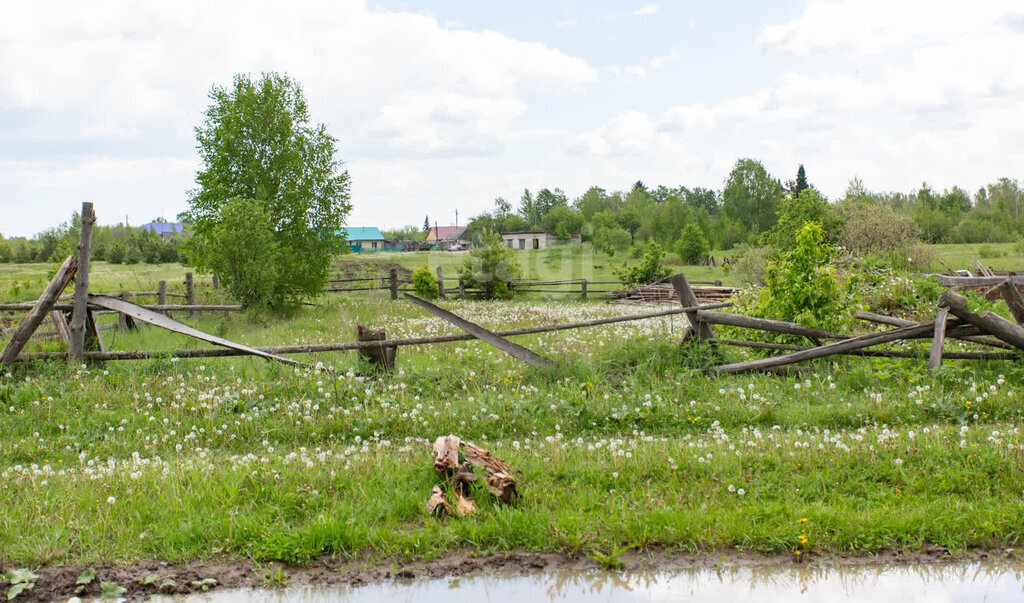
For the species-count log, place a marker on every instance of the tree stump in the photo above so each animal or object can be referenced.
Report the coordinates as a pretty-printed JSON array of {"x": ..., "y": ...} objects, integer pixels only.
[{"x": 381, "y": 356}]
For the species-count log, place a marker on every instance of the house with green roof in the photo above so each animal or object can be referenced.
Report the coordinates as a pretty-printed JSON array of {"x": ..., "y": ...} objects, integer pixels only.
[{"x": 363, "y": 238}]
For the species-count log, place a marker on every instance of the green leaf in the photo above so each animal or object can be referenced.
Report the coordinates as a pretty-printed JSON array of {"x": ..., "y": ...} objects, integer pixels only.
[
  {"x": 22, "y": 575},
  {"x": 111, "y": 590},
  {"x": 204, "y": 584},
  {"x": 149, "y": 579},
  {"x": 87, "y": 576},
  {"x": 18, "y": 588},
  {"x": 168, "y": 583}
]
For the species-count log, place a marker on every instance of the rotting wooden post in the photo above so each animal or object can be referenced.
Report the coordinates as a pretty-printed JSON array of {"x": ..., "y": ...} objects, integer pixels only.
[
  {"x": 216, "y": 282},
  {"x": 440, "y": 282},
  {"x": 583, "y": 288},
  {"x": 935, "y": 356},
  {"x": 381, "y": 356},
  {"x": 1013, "y": 299},
  {"x": 462, "y": 290},
  {"x": 718, "y": 283},
  {"x": 76, "y": 343},
  {"x": 190, "y": 292},
  {"x": 687, "y": 299},
  {"x": 40, "y": 311},
  {"x": 394, "y": 284},
  {"x": 161, "y": 293}
]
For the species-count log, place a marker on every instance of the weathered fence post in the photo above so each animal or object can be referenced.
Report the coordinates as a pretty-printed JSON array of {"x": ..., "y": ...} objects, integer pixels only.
[
  {"x": 76, "y": 343},
  {"x": 216, "y": 282},
  {"x": 583, "y": 288},
  {"x": 688, "y": 299},
  {"x": 718, "y": 283},
  {"x": 39, "y": 312},
  {"x": 462, "y": 290},
  {"x": 394, "y": 284},
  {"x": 122, "y": 318},
  {"x": 190, "y": 292},
  {"x": 161, "y": 293},
  {"x": 381, "y": 356},
  {"x": 440, "y": 282}
]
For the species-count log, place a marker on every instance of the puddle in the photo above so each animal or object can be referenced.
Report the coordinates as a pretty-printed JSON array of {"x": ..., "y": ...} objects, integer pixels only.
[{"x": 991, "y": 582}]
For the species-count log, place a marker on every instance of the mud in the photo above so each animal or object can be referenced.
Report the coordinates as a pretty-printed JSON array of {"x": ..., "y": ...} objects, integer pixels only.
[{"x": 58, "y": 583}]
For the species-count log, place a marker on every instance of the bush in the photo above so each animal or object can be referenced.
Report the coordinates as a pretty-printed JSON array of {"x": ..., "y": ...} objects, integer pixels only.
[
  {"x": 425, "y": 283},
  {"x": 877, "y": 229},
  {"x": 611, "y": 239},
  {"x": 802, "y": 287},
  {"x": 750, "y": 264},
  {"x": 692, "y": 246},
  {"x": 490, "y": 266},
  {"x": 649, "y": 270}
]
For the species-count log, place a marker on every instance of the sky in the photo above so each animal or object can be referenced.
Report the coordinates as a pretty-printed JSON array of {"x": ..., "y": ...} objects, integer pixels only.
[{"x": 441, "y": 106}]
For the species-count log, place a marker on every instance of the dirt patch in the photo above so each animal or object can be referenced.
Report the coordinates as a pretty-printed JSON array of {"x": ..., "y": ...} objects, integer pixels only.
[
  {"x": 59, "y": 582},
  {"x": 368, "y": 269}
]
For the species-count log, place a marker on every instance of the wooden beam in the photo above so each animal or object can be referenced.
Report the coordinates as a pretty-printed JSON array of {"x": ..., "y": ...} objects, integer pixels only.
[
  {"x": 687, "y": 298},
  {"x": 511, "y": 348},
  {"x": 1011, "y": 295},
  {"x": 838, "y": 347},
  {"x": 989, "y": 322},
  {"x": 76, "y": 344},
  {"x": 165, "y": 322},
  {"x": 874, "y": 353},
  {"x": 764, "y": 324},
  {"x": 39, "y": 312},
  {"x": 935, "y": 355},
  {"x": 960, "y": 282}
]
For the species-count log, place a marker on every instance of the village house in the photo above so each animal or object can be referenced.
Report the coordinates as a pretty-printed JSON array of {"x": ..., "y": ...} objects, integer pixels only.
[
  {"x": 535, "y": 239},
  {"x": 166, "y": 230},
  {"x": 363, "y": 238}
]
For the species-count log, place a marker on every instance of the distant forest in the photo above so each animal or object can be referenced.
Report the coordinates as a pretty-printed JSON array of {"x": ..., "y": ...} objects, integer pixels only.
[{"x": 118, "y": 244}]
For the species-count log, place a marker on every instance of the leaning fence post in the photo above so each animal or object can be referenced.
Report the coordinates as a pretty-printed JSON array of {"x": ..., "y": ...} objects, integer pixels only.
[
  {"x": 216, "y": 282},
  {"x": 688, "y": 299},
  {"x": 583, "y": 288},
  {"x": 440, "y": 282},
  {"x": 462, "y": 290},
  {"x": 394, "y": 284},
  {"x": 76, "y": 343},
  {"x": 161, "y": 293},
  {"x": 190, "y": 292},
  {"x": 122, "y": 318}
]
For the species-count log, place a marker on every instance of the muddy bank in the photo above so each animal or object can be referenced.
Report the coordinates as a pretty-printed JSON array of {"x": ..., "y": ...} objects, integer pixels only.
[{"x": 58, "y": 583}]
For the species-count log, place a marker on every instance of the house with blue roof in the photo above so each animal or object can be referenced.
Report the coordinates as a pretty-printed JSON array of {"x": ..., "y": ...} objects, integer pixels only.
[
  {"x": 363, "y": 238},
  {"x": 165, "y": 229}
]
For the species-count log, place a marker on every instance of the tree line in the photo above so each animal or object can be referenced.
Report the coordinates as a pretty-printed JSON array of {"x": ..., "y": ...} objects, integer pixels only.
[
  {"x": 756, "y": 208},
  {"x": 118, "y": 244}
]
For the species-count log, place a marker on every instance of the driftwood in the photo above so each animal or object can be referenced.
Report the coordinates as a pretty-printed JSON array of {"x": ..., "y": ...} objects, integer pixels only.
[
  {"x": 989, "y": 322},
  {"x": 382, "y": 356},
  {"x": 511, "y": 348},
  {"x": 165, "y": 322},
  {"x": 40, "y": 311},
  {"x": 499, "y": 480}
]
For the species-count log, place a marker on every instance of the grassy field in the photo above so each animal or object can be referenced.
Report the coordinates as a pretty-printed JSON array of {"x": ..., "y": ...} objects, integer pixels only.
[{"x": 622, "y": 444}]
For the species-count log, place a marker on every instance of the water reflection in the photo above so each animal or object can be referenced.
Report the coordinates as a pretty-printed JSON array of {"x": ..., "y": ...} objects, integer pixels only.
[{"x": 992, "y": 582}]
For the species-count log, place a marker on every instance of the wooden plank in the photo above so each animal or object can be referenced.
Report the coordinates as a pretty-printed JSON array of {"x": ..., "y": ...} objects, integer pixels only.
[
  {"x": 874, "y": 353},
  {"x": 1011, "y": 295},
  {"x": 165, "y": 322},
  {"x": 838, "y": 347},
  {"x": 190, "y": 292},
  {"x": 973, "y": 281},
  {"x": 511, "y": 348},
  {"x": 686, "y": 297},
  {"x": 935, "y": 355},
  {"x": 989, "y": 322},
  {"x": 957, "y": 334},
  {"x": 764, "y": 324},
  {"x": 60, "y": 321},
  {"x": 76, "y": 344},
  {"x": 40, "y": 310}
]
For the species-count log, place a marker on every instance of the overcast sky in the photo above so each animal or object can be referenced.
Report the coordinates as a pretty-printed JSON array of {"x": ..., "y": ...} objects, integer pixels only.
[{"x": 444, "y": 105}]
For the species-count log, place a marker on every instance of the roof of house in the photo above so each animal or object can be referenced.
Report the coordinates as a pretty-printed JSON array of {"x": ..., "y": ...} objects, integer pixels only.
[
  {"x": 362, "y": 233},
  {"x": 518, "y": 232},
  {"x": 456, "y": 234},
  {"x": 163, "y": 227},
  {"x": 442, "y": 232}
]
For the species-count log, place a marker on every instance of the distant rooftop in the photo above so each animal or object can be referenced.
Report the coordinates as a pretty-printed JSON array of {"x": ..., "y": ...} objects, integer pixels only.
[
  {"x": 163, "y": 227},
  {"x": 362, "y": 233}
]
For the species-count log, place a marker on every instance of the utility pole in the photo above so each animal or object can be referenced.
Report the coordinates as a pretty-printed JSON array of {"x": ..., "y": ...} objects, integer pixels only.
[{"x": 456, "y": 218}]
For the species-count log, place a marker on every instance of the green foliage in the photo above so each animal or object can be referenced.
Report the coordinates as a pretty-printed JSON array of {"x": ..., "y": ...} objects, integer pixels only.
[
  {"x": 21, "y": 580},
  {"x": 425, "y": 283},
  {"x": 751, "y": 196},
  {"x": 794, "y": 211},
  {"x": 648, "y": 270},
  {"x": 610, "y": 239},
  {"x": 611, "y": 560},
  {"x": 692, "y": 245},
  {"x": 801, "y": 285},
  {"x": 490, "y": 267},
  {"x": 750, "y": 263},
  {"x": 871, "y": 228},
  {"x": 270, "y": 183},
  {"x": 111, "y": 590}
]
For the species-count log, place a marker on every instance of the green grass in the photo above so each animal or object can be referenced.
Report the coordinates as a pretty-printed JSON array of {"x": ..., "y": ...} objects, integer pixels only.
[
  {"x": 622, "y": 445},
  {"x": 19, "y": 282},
  {"x": 998, "y": 256}
]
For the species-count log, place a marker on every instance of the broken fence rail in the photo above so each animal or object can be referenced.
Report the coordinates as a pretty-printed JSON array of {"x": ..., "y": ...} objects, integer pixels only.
[{"x": 355, "y": 345}]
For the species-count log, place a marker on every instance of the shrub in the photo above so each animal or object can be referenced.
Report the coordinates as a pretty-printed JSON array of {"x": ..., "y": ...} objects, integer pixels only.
[
  {"x": 649, "y": 270},
  {"x": 611, "y": 239},
  {"x": 870, "y": 228},
  {"x": 692, "y": 245},
  {"x": 750, "y": 264},
  {"x": 425, "y": 283},
  {"x": 490, "y": 266},
  {"x": 802, "y": 287}
]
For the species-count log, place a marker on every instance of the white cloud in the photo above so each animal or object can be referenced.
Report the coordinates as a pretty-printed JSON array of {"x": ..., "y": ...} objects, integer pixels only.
[
  {"x": 629, "y": 133},
  {"x": 566, "y": 23},
  {"x": 647, "y": 9}
]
